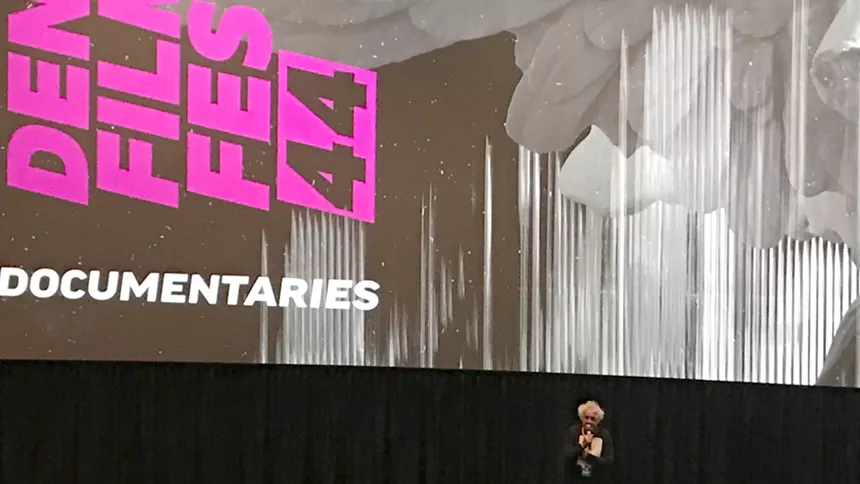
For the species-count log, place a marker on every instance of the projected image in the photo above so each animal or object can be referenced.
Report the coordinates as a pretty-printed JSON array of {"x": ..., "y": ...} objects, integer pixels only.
[{"x": 614, "y": 187}]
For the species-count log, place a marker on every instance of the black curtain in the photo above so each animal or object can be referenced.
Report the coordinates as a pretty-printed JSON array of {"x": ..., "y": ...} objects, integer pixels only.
[{"x": 152, "y": 423}]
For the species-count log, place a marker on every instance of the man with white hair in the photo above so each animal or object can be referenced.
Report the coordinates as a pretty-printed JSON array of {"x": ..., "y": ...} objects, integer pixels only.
[{"x": 588, "y": 449}]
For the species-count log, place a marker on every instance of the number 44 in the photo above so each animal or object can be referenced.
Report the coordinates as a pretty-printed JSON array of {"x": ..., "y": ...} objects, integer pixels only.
[{"x": 326, "y": 136}]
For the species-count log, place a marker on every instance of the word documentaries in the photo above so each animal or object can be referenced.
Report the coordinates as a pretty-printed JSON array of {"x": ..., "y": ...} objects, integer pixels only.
[
  {"x": 178, "y": 288},
  {"x": 324, "y": 112}
]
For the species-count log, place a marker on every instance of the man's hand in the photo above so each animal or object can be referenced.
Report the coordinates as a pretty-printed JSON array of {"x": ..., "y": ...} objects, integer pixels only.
[{"x": 587, "y": 438}]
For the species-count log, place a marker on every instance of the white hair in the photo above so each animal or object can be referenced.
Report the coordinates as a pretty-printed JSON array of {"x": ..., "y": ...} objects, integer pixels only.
[{"x": 592, "y": 405}]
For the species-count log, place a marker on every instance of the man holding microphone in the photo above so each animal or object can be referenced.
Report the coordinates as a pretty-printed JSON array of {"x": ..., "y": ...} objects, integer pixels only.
[{"x": 588, "y": 449}]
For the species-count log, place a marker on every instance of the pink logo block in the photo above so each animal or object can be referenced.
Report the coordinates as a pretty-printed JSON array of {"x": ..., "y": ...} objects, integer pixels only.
[{"x": 326, "y": 151}]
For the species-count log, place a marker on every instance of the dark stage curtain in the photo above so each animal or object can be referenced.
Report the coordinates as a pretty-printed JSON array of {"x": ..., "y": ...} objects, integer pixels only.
[{"x": 123, "y": 423}]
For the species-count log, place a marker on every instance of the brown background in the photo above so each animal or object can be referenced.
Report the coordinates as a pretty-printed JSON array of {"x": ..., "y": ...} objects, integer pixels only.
[{"x": 435, "y": 112}]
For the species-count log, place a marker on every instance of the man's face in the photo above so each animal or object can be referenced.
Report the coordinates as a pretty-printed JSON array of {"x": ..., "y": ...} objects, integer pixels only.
[{"x": 590, "y": 418}]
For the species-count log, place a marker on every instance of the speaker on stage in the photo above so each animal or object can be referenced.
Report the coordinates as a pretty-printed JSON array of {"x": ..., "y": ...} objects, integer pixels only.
[{"x": 588, "y": 448}]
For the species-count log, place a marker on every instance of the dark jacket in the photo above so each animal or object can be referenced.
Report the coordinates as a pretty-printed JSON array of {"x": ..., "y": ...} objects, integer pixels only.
[{"x": 574, "y": 452}]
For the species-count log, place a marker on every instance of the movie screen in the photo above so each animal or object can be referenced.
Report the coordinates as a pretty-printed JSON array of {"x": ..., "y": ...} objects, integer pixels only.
[{"x": 617, "y": 187}]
